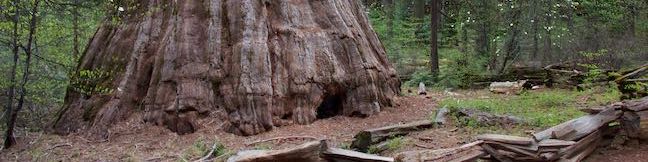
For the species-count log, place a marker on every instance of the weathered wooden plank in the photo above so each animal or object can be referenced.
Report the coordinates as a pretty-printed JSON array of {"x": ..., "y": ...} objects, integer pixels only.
[
  {"x": 456, "y": 153},
  {"x": 340, "y": 155},
  {"x": 511, "y": 148},
  {"x": 305, "y": 152},
  {"x": 555, "y": 143},
  {"x": 506, "y": 139},
  {"x": 490, "y": 150},
  {"x": 636, "y": 105},
  {"x": 580, "y": 127},
  {"x": 581, "y": 144},
  {"x": 368, "y": 137}
]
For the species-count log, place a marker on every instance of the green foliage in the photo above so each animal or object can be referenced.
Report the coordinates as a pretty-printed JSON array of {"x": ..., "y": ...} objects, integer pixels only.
[
  {"x": 200, "y": 148},
  {"x": 538, "y": 109},
  {"x": 90, "y": 82}
]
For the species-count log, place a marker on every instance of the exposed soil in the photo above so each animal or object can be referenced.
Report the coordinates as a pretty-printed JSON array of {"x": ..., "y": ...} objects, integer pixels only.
[{"x": 135, "y": 140}]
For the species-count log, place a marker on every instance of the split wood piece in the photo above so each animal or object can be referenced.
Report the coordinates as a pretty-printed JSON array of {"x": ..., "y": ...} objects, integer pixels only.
[
  {"x": 593, "y": 110},
  {"x": 306, "y": 152},
  {"x": 506, "y": 139},
  {"x": 588, "y": 141},
  {"x": 630, "y": 121},
  {"x": 643, "y": 125},
  {"x": 440, "y": 118},
  {"x": 490, "y": 150},
  {"x": 579, "y": 127},
  {"x": 366, "y": 138},
  {"x": 555, "y": 143},
  {"x": 512, "y": 148},
  {"x": 530, "y": 148},
  {"x": 336, "y": 154},
  {"x": 467, "y": 152},
  {"x": 636, "y": 105},
  {"x": 583, "y": 154}
]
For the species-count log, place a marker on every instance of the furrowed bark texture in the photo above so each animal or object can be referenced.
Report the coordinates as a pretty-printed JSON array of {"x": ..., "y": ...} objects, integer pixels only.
[{"x": 264, "y": 62}]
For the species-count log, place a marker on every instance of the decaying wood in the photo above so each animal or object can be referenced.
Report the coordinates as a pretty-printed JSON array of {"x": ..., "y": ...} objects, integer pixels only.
[
  {"x": 630, "y": 122},
  {"x": 369, "y": 137},
  {"x": 512, "y": 148},
  {"x": 342, "y": 155},
  {"x": 253, "y": 60},
  {"x": 485, "y": 118},
  {"x": 506, "y": 139},
  {"x": 643, "y": 125},
  {"x": 306, "y": 152},
  {"x": 583, "y": 154},
  {"x": 507, "y": 87},
  {"x": 580, "y": 127},
  {"x": 636, "y": 105},
  {"x": 281, "y": 138},
  {"x": 588, "y": 141},
  {"x": 635, "y": 72},
  {"x": 461, "y": 153},
  {"x": 490, "y": 150},
  {"x": 440, "y": 118},
  {"x": 555, "y": 143}
]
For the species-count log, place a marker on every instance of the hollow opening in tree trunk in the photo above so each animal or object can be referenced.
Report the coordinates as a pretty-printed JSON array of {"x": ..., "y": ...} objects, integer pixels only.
[{"x": 331, "y": 106}]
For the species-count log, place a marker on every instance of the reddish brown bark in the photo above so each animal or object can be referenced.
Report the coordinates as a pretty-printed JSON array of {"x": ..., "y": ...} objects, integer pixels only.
[{"x": 262, "y": 62}]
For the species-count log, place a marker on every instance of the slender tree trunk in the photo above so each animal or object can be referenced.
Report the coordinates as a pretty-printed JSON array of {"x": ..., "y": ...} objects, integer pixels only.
[
  {"x": 512, "y": 46},
  {"x": 435, "y": 23},
  {"x": 419, "y": 8},
  {"x": 483, "y": 40},
  {"x": 9, "y": 139},
  {"x": 548, "y": 46},
  {"x": 535, "y": 31},
  {"x": 23, "y": 90},
  {"x": 389, "y": 11},
  {"x": 75, "y": 27}
]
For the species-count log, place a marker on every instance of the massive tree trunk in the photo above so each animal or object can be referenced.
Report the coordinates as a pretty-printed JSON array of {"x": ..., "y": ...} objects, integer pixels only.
[{"x": 264, "y": 62}]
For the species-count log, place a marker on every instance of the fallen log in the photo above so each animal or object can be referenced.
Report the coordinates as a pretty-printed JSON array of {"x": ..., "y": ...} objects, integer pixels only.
[
  {"x": 588, "y": 141},
  {"x": 512, "y": 148},
  {"x": 507, "y": 87},
  {"x": 579, "y": 127},
  {"x": 366, "y": 138},
  {"x": 336, "y": 154},
  {"x": 306, "y": 152},
  {"x": 506, "y": 139},
  {"x": 465, "y": 152},
  {"x": 555, "y": 143},
  {"x": 489, "y": 119},
  {"x": 636, "y": 105},
  {"x": 499, "y": 157}
]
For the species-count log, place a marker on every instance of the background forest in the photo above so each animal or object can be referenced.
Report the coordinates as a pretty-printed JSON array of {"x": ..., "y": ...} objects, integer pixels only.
[{"x": 447, "y": 44}]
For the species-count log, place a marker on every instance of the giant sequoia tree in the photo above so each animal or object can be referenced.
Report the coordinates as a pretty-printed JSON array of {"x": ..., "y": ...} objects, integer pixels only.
[{"x": 263, "y": 62}]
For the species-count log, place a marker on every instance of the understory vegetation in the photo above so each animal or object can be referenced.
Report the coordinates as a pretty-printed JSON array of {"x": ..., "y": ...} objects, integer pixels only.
[{"x": 537, "y": 109}]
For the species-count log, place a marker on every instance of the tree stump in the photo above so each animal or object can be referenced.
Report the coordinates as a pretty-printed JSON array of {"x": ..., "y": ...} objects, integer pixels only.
[{"x": 258, "y": 60}]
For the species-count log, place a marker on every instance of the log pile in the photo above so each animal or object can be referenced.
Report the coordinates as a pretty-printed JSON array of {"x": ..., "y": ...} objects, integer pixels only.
[{"x": 379, "y": 136}]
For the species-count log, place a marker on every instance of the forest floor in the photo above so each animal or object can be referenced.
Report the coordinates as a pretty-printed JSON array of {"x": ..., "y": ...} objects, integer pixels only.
[{"x": 134, "y": 140}]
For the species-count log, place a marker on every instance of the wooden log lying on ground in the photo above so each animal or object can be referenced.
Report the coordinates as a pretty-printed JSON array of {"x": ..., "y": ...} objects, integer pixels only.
[
  {"x": 636, "y": 105},
  {"x": 582, "y": 148},
  {"x": 506, "y": 139},
  {"x": 507, "y": 87},
  {"x": 467, "y": 152},
  {"x": 579, "y": 127},
  {"x": 369, "y": 137},
  {"x": 489, "y": 119},
  {"x": 306, "y": 152},
  {"x": 342, "y": 155}
]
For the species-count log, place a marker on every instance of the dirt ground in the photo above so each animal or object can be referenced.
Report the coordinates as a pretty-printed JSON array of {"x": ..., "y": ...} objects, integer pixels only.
[{"x": 134, "y": 140}]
